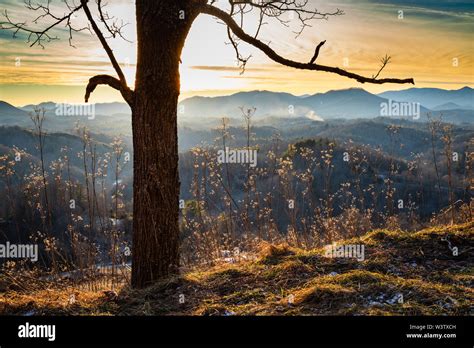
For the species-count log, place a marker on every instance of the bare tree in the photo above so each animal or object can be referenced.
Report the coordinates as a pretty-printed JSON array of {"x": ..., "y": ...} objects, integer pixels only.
[
  {"x": 38, "y": 117},
  {"x": 434, "y": 127},
  {"x": 447, "y": 139},
  {"x": 162, "y": 27}
]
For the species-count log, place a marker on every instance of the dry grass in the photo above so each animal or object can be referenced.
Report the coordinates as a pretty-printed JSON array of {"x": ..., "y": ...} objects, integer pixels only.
[{"x": 288, "y": 281}]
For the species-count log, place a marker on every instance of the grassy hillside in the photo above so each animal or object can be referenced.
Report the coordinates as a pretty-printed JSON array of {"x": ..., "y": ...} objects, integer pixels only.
[{"x": 280, "y": 280}]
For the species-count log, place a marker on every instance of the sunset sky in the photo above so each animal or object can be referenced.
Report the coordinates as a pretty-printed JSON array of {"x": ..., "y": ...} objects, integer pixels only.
[{"x": 424, "y": 44}]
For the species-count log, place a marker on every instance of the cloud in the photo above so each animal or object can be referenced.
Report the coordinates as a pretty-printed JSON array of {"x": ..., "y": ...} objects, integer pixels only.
[{"x": 449, "y": 7}]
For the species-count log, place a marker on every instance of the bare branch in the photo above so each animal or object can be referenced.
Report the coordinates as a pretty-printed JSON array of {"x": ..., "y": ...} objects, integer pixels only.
[
  {"x": 44, "y": 35},
  {"x": 316, "y": 52},
  {"x": 233, "y": 41},
  {"x": 114, "y": 29},
  {"x": 240, "y": 33},
  {"x": 104, "y": 43},
  {"x": 276, "y": 8},
  {"x": 111, "y": 81},
  {"x": 41, "y": 35},
  {"x": 384, "y": 61}
]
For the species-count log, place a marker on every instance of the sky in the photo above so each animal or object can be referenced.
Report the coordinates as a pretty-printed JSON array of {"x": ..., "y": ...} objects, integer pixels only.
[{"x": 431, "y": 41}]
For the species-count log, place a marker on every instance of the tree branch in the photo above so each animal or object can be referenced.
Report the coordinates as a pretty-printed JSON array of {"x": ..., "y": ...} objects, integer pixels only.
[
  {"x": 384, "y": 61},
  {"x": 276, "y": 8},
  {"x": 44, "y": 35},
  {"x": 111, "y": 81},
  {"x": 41, "y": 35},
  {"x": 316, "y": 52},
  {"x": 240, "y": 33},
  {"x": 104, "y": 43},
  {"x": 114, "y": 29},
  {"x": 120, "y": 84}
]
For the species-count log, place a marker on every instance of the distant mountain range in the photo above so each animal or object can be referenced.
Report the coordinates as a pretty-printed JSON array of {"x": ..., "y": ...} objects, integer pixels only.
[
  {"x": 456, "y": 106},
  {"x": 100, "y": 108},
  {"x": 435, "y": 98}
]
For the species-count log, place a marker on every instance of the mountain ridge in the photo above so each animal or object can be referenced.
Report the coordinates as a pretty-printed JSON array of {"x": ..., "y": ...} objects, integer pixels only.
[{"x": 351, "y": 103}]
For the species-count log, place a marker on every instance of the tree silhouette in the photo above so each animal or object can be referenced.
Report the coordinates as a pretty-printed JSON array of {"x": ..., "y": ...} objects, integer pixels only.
[{"x": 162, "y": 27}]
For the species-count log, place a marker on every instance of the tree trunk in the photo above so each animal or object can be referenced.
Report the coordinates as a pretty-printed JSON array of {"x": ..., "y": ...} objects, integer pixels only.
[{"x": 162, "y": 27}]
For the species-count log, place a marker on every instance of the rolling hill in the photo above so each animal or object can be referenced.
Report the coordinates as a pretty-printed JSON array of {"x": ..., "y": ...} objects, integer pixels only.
[
  {"x": 455, "y": 106},
  {"x": 433, "y": 98}
]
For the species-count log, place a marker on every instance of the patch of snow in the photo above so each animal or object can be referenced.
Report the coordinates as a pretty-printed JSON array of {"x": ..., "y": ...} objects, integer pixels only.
[{"x": 395, "y": 298}]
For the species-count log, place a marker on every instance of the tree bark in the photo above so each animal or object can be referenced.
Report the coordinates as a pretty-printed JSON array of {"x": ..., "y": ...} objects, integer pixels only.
[{"x": 162, "y": 27}]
